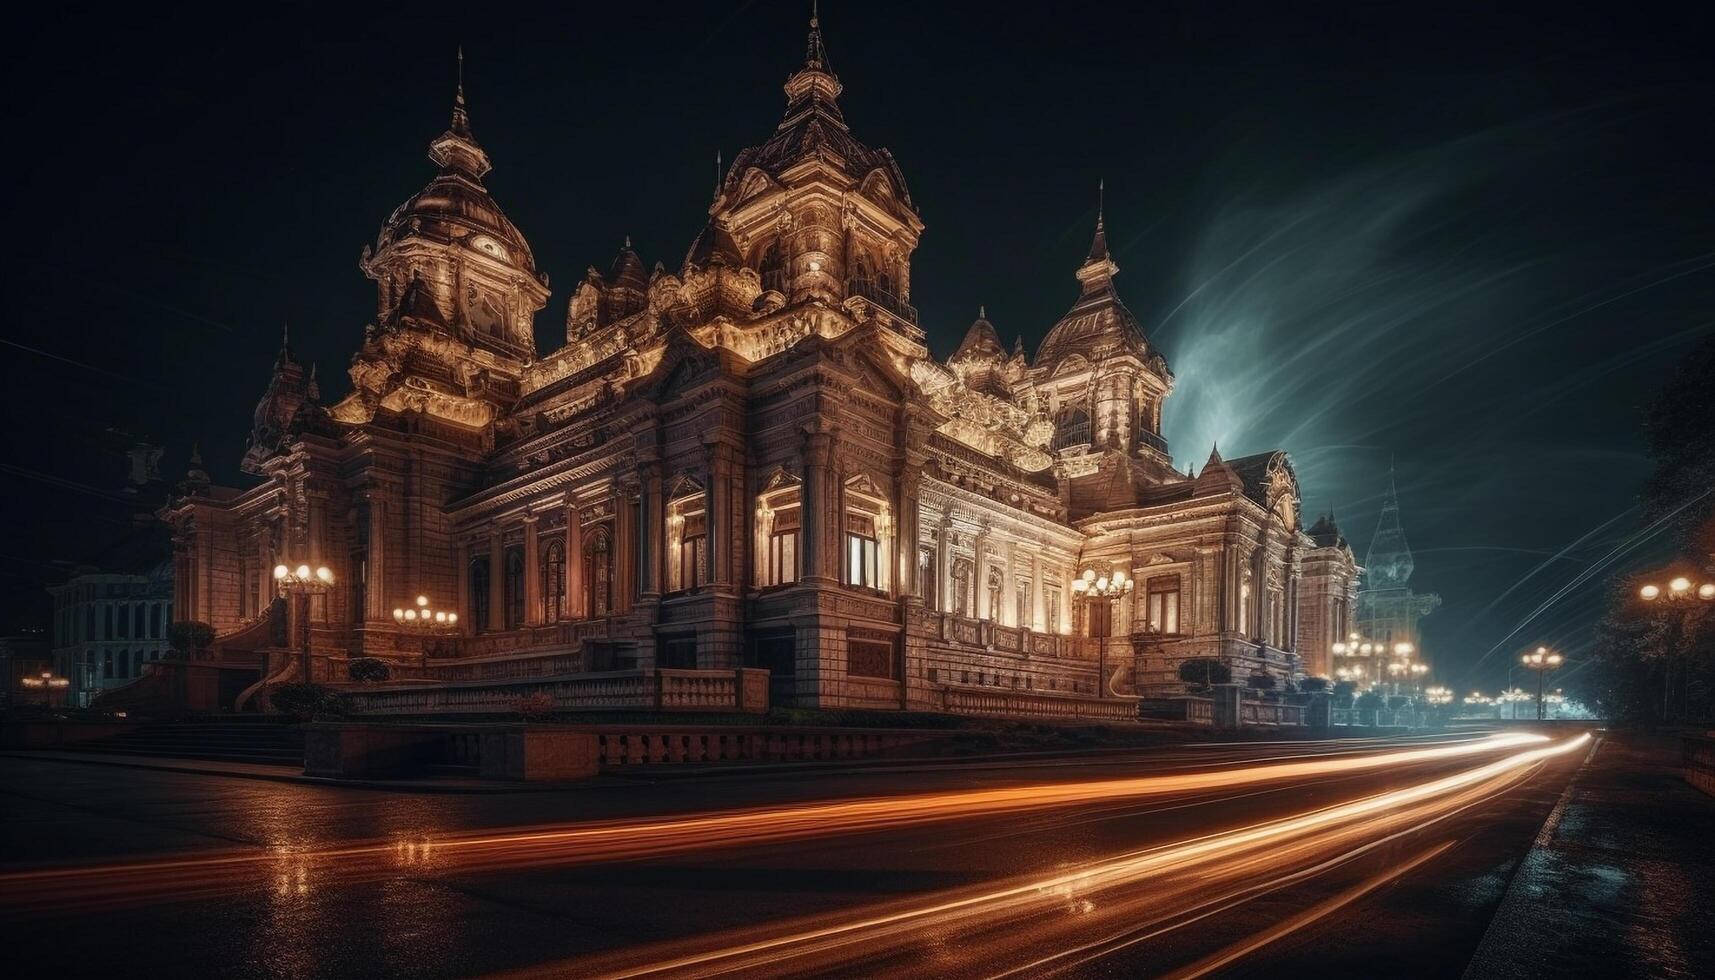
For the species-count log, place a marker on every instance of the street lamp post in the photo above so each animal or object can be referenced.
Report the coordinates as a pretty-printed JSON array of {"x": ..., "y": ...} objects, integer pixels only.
[
  {"x": 422, "y": 618},
  {"x": 1092, "y": 587},
  {"x": 299, "y": 583},
  {"x": 47, "y": 683},
  {"x": 1544, "y": 663},
  {"x": 1681, "y": 596}
]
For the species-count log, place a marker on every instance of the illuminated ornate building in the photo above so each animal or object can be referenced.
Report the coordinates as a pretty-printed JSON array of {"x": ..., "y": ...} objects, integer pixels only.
[{"x": 749, "y": 458}]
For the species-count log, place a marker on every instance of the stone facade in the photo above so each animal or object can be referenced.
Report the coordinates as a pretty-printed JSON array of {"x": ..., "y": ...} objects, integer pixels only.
[{"x": 752, "y": 459}]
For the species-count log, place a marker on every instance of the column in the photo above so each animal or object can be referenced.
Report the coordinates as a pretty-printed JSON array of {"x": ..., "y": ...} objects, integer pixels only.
[
  {"x": 624, "y": 550},
  {"x": 496, "y": 580},
  {"x": 819, "y": 513},
  {"x": 375, "y": 588},
  {"x": 654, "y": 532},
  {"x": 980, "y": 579},
  {"x": 574, "y": 563},
  {"x": 532, "y": 574},
  {"x": 1008, "y": 613},
  {"x": 461, "y": 585},
  {"x": 908, "y": 572},
  {"x": 1036, "y": 591}
]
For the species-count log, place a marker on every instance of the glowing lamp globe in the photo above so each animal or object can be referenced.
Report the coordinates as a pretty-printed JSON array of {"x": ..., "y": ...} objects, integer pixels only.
[
  {"x": 1680, "y": 584},
  {"x": 281, "y": 571},
  {"x": 1706, "y": 591}
]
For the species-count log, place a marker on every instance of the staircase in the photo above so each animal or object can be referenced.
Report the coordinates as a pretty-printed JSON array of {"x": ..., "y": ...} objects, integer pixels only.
[{"x": 256, "y": 740}]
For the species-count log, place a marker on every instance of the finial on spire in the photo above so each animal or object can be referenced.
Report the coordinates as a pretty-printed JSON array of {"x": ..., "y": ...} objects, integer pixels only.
[
  {"x": 627, "y": 241},
  {"x": 815, "y": 54},
  {"x": 461, "y": 118},
  {"x": 717, "y": 172},
  {"x": 983, "y": 312},
  {"x": 1101, "y": 199}
]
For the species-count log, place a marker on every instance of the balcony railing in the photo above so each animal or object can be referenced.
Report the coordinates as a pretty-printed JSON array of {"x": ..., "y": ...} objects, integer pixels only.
[
  {"x": 1153, "y": 441},
  {"x": 873, "y": 291}
]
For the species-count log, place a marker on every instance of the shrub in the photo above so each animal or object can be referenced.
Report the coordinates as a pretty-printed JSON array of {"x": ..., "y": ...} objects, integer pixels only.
[
  {"x": 367, "y": 670},
  {"x": 1205, "y": 671},
  {"x": 1261, "y": 680},
  {"x": 1313, "y": 685},
  {"x": 1398, "y": 702},
  {"x": 304, "y": 701},
  {"x": 1369, "y": 701}
]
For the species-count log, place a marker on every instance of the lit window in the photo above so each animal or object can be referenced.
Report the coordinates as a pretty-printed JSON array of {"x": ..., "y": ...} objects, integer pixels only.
[
  {"x": 1163, "y": 604},
  {"x": 861, "y": 551}
]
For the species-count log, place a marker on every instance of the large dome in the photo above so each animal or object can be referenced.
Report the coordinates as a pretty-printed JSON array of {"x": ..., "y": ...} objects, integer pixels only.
[
  {"x": 1098, "y": 325},
  {"x": 455, "y": 207}
]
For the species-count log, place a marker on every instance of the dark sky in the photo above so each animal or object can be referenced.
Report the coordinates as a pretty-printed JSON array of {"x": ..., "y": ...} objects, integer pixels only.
[{"x": 1466, "y": 241}]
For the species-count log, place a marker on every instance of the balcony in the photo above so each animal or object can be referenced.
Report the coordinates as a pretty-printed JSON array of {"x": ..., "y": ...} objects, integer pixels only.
[
  {"x": 1153, "y": 441},
  {"x": 871, "y": 290}
]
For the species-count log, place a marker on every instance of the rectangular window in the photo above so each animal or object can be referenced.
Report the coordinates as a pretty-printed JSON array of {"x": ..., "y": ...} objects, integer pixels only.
[
  {"x": 861, "y": 551},
  {"x": 1163, "y": 607},
  {"x": 781, "y": 567},
  {"x": 693, "y": 553},
  {"x": 1051, "y": 611},
  {"x": 1023, "y": 620}
]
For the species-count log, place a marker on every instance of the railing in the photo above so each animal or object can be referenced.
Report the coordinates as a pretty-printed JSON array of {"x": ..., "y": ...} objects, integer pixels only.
[
  {"x": 1015, "y": 639},
  {"x": 654, "y": 689},
  {"x": 1381, "y": 718},
  {"x": 1152, "y": 440},
  {"x": 1026, "y": 704},
  {"x": 871, "y": 290},
  {"x": 1270, "y": 713},
  {"x": 510, "y": 667},
  {"x": 1195, "y": 710}
]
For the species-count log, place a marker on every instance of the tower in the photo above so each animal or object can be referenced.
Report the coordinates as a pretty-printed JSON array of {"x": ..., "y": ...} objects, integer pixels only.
[
  {"x": 1105, "y": 384},
  {"x": 816, "y": 213},
  {"x": 1388, "y": 610}
]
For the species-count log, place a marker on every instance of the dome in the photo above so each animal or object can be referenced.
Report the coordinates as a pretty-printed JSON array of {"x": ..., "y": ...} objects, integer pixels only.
[
  {"x": 455, "y": 207},
  {"x": 1098, "y": 325},
  {"x": 627, "y": 269},
  {"x": 981, "y": 342}
]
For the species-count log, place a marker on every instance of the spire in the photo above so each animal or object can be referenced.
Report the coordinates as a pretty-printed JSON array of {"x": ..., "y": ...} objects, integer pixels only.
[
  {"x": 1098, "y": 269},
  {"x": 815, "y": 81},
  {"x": 456, "y": 150},
  {"x": 285, "y": 356},
  {"x": 1389, "y": 563},
  {"x": 815, "y": 53},
  {"x": 461, "y": 118},
  {"x": 718, "y": 173}
]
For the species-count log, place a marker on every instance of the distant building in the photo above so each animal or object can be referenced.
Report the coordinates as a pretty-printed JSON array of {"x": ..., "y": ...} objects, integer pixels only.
[
  {"x": 110, "y": 615},
  {"x": 1330, "y": 586},
  {"x": 1388, "y": 610}
]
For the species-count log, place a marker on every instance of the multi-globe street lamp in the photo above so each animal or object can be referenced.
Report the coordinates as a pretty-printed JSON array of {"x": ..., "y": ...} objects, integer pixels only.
[
  {"x": 298, "y": 583},
  {"x": 1676, "y": 604},
  {"x": 422, "y": 618},
  {"x": 47, "y": 683},
  {"x": 1544, "y": 662},
  {"x": 1090, "y": 588},
  {"x": 1438, "y": 696}
]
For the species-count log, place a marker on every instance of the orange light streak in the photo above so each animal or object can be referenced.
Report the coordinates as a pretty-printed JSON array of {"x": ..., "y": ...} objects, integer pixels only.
[
  {"x": 207, "y": 876},
  {"x": 1183, "y": 878}
]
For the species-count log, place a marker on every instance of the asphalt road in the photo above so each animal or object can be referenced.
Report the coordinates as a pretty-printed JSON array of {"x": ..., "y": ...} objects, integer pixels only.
[{"x": 1327, "y": 858}]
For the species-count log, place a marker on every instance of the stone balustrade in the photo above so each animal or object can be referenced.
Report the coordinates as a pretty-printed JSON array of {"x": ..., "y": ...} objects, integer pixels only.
[
  {"x": 1034, "y": 704},
  {"x": 653, "y": 689},
  {"x": 1012, "y": 639},
  {"x": 630, "y": 746}
]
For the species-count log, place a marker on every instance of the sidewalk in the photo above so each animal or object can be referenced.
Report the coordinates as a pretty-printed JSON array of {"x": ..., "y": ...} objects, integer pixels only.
[{"x": 1621, "y": 880}]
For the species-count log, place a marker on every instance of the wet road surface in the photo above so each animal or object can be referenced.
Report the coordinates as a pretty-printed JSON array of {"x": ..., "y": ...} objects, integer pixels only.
[{"x": 1214, "y": 859}]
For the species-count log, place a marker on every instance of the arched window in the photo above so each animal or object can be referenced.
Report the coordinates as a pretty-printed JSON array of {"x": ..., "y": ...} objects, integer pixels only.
[
  {"x": 1071, "y": 427},
  {"x": 514, "y": 587},
  {"x": 598, "y": 573},
  {"x": 479, "y": 611},
  {"x": 687, "y": 537},
  {"x": 553, "y": 582},
  {"x": 779, "y": 522}
]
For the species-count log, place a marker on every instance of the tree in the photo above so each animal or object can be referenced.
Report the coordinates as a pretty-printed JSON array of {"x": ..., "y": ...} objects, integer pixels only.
[
  {"x": 189, "y": 638},
  {"x": 368, "y": 670},
  {"x": 1205, "y": 671}
]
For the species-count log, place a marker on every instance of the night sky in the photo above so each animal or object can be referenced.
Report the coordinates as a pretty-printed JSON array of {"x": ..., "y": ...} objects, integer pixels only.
[{"x": 1464, "y": 243}]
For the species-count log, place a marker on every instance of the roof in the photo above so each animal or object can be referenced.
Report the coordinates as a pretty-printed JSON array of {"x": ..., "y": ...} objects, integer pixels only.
[
  {"x": 981, "y": 340},
  {"x": 813, "y": 122},
  {"x": 1098, "y": 324}
]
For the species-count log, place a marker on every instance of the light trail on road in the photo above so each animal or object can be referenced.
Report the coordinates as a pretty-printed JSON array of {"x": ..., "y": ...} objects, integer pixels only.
[
  {"x": 289, "y": 871},
  {"x": 1002, "y": 929}
]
